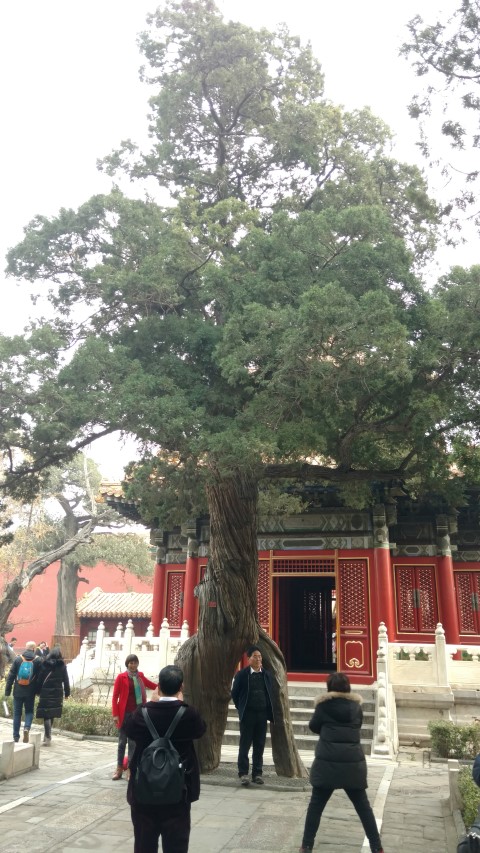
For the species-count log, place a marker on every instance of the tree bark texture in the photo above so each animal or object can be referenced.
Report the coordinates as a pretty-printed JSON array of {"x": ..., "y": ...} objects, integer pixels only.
[
  {"x": 67, "y": 584},
  {"x": 228, "y": 624}
]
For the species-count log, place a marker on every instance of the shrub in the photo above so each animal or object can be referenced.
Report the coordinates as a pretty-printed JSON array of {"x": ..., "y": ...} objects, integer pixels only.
[
  {"x": 86, "y": 719},
  {"x": 470, "y": 795},
  {"x": 452, "y": 741},
  {"x": 78, "y": 717}
]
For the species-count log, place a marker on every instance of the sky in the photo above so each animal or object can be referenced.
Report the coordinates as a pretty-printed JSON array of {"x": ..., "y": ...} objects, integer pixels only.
[{"x": 71, "y": 92}]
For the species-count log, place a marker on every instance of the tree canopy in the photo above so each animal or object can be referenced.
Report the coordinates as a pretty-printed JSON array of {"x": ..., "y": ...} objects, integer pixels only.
[{"x": 273, "y": 311}]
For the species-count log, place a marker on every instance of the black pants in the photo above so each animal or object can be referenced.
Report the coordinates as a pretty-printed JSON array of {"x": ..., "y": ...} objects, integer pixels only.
[
  {"x": 253, "y": 731},
  {"x": 318, "y": 801},
  {"x": 172, "y": 823},
  {"x": 122, "y": 743}
]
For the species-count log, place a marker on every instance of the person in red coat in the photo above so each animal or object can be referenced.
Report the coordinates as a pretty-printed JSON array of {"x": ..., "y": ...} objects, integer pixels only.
[{"x": 128, "y": 693}]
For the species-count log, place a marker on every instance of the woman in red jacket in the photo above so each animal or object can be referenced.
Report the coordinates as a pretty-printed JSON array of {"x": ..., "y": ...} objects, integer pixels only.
[{"x": 128, "y": 693}]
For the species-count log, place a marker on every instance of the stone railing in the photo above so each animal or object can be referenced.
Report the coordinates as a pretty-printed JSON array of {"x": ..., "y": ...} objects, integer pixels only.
[
  {"x": 434, "y": 664},
  {"x": 106, "y": 658},
  {"x": 385, "y": 731}
]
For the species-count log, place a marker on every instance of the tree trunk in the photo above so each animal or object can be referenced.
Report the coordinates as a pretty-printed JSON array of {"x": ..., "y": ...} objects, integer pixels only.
[
  {"x": 67, "y": 585},
  {"x": 228, "y": 623}
]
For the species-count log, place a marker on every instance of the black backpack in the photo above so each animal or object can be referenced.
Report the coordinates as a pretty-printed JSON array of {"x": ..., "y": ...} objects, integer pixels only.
[
  {"x": 160, "y": 775},
  {"x": 470, "y": 843}
]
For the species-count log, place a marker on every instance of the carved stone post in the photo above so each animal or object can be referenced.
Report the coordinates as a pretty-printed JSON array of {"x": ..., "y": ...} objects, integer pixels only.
[
  {"x": 99, "y": 640},
  {"x": 164, "y": 638},
  {"x": 441, "y": 656},
  {"x": 128, "y": 638}
]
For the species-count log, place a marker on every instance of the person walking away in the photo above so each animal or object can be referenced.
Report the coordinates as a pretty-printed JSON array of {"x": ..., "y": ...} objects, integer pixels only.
[
  {"x": 128, "y": 693},
  {"x": 252, "y": 697},
  {"x": 52, "y": 685},
  {"x": 171, "y": 822},
  {"x": 22, "y": 678},
  {"x": 339, "y": 760}
]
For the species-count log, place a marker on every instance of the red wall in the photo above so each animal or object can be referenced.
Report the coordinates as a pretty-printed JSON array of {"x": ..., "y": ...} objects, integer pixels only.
[{"x": 34, "y": 618}]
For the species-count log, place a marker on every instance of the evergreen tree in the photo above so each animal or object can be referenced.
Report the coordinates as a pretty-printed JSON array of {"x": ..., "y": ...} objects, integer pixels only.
[{"x": 267, "y": 324}]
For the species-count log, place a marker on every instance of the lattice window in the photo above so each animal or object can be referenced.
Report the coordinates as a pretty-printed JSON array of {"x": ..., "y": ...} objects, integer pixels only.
[
  {"x": 405, "y": 578},
  {"x": 416, "y": 598},
  {"x": 428, "y": 616},
  {"x": 468, "y": 597},
  {"x": 304, "y": 565},
  {"x": 175, "y": 598},
  {"x": 263, "y": 594},
  {"x": 353, "y": 593}
]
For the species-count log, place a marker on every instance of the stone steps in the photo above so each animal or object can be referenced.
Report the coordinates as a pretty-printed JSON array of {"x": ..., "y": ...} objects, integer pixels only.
[{"x": 302, "y": 701}]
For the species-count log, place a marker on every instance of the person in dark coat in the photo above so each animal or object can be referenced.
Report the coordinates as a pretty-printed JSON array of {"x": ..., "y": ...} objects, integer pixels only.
[
  {"x": 52, "y": 685},
  {"x": 252, "y": 697},
  {"x": 171, "y": 822},
  {"x": 339, "y": 760}
]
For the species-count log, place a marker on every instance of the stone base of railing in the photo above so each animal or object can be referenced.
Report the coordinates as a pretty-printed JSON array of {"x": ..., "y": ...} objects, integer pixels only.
[{"x": 17, "y": 758}]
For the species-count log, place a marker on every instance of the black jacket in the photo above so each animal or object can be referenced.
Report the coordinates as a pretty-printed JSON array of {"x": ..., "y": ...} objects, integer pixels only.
[
  {"x": 339, "y": 757},
  {"x": 23, "y": 691},
  {"x": 190, "y": 728},
  {"x": 240, "y": 688},
  {"x": 52, "y": 683}
]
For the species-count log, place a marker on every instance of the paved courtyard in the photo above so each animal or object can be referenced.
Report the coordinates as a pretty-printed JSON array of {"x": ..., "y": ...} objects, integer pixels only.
[{"x": 70, "y": 804}]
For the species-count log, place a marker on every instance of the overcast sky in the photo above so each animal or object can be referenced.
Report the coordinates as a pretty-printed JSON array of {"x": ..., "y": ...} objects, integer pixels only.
[{"x": 71, "y": 91}]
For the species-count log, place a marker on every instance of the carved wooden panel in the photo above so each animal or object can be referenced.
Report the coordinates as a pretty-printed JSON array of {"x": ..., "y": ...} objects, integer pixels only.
[{"x": 175, "y": 584}]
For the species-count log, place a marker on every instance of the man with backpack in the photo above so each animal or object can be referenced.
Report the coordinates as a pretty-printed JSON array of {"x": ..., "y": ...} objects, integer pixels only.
[
  {"x": 22, "y": 677},
  {"x": 162, "y": 765}
]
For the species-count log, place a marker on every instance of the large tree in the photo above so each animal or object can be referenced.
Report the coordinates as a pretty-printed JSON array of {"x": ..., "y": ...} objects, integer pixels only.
[
  {"x": 268, "y": 323},
  {"x": 66, "y": 512}
]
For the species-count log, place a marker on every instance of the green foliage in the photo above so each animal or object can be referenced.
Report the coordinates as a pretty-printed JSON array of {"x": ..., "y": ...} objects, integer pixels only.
[
  {"x": 454, "y": 741},
  {"x": 86, "y": 719},
  {"x": 470, "y": 796},
  {"x": 125, "y": 550},
  {"x": 79, "y": 717},
  {"x": 445, "y": 57},
  {"x": 274, "y": 315}
]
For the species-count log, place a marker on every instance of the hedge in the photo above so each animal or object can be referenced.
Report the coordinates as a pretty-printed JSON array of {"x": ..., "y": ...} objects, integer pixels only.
[
  {"x": 78, "y": 717},
  {"x": 470, "y": 794},
  {"x": 453, "y": 741}
]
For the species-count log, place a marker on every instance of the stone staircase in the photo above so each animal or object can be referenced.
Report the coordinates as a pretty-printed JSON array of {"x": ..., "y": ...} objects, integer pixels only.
[{"x": 302, "y": 698}]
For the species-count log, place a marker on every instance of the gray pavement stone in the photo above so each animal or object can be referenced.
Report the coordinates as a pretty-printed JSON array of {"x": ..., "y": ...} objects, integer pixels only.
[{"x": 90, "y": 813}]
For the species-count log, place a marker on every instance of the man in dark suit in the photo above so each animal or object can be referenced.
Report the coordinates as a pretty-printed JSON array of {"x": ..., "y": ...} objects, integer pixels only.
[
  {"x": 252, "y": 696},
  {"x": 171, "y": 822}
]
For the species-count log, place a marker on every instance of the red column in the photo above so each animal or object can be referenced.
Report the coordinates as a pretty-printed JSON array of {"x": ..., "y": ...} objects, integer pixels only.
[
  {"x": 158, "y": 605},
  {"x": 191, "y": 580},
  {"x": 446, "y": 586},
  {"x": 383, "y": 609}
]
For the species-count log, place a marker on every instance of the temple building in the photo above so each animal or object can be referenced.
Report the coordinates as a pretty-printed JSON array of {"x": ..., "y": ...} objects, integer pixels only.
[{"x": 330, "y": 575}]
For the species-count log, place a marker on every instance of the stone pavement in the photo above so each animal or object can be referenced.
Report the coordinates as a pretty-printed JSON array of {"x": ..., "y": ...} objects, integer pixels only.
[{"x": 70, "y": 804}]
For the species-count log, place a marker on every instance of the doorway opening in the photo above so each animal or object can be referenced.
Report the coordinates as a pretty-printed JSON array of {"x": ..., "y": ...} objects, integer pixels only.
[{"x": 306, "y": 623}]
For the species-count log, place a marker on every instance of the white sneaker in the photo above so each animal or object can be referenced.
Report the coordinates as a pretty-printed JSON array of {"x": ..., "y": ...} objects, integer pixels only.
[{"x": 47, "y": 741}]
